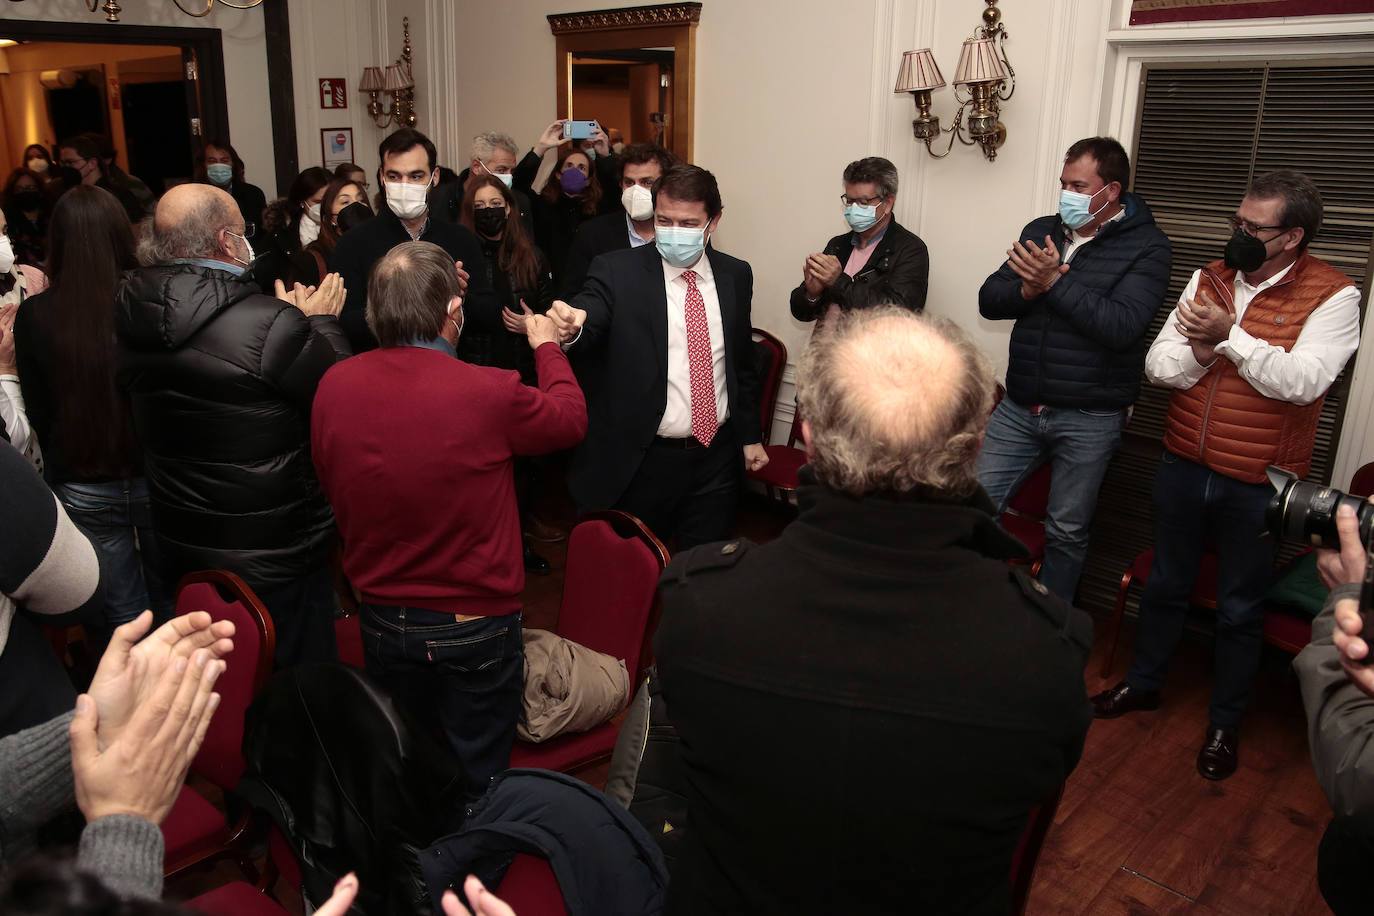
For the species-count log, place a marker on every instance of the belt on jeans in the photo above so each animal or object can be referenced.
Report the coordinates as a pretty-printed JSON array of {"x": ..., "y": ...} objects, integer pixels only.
[{"x": 688, "y": 442}]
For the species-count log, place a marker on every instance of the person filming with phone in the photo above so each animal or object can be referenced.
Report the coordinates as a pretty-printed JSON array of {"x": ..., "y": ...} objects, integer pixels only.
[{"x": 1337, "y": 681}]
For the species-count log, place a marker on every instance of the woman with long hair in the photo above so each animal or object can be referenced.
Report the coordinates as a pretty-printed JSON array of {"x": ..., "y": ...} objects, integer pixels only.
[
  {"x": 571, "y": 196},
  {"x": 290, "y": 223},
  {"x": 310, "y": 265},
  {"x": 519, "y": 273},
  {"x": 65, "y": 343}
]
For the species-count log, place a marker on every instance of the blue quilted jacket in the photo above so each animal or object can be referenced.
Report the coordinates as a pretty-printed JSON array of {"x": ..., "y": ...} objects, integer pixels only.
[{"x": 1082, "y": 344}]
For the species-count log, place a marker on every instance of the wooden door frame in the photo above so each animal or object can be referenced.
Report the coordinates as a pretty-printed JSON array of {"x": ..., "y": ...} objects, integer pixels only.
[{"x": 207, "y": 46}]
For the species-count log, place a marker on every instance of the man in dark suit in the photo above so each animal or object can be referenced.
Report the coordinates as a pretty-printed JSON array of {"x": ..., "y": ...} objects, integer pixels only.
[
  {"x": 641, "y": 165},
  {"x": 671, "y": 392}
]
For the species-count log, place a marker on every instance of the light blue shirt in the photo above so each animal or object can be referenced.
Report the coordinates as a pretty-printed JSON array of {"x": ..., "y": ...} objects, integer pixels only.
[
  {"x": 433, "y": 343},
  {"x": 235, "y": 269},
  {"x": 636, "y": 241},
  {"x": 856, "y": 243}
]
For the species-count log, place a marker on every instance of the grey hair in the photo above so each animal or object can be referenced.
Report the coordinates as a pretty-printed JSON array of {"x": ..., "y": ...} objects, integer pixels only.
[
  {"x": 896, "y": 402},
  {"x": 873, "y": 169},
  {"x": 408, "y": 293},
  {"x": 484, "y": 145},
  {"x": 195, "y": 235},
  {"x": 1302, "y": 202}
]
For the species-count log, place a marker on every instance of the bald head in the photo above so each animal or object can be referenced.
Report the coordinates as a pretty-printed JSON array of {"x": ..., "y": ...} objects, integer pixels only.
[
  {"x": 895, "y": 401},
  {"x": 188, "y": 222}
]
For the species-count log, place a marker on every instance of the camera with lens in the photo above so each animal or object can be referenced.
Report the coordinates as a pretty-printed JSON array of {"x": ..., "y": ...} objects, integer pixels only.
[{"x": 1307, "y": 511}]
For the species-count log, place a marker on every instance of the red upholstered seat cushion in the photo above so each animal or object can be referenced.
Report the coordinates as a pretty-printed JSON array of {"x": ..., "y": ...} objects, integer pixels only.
[
  {"x": 193, "y": 826},
  {"x": 530, "y": 887},
  {"x": 236, "y": 899},
  {"x": 566, "y": 751},
  {"x": 1026, "y": 530},
  {"x": 781, "y": 470}
]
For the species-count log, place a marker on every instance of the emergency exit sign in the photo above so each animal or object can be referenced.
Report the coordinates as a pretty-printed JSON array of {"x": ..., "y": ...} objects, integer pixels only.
[{"x": 333, "y": 93}]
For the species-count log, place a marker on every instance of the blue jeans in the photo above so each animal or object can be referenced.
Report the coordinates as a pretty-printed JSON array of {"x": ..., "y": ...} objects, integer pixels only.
[
  {"x": 114, "y": 514},
  {"x": 1080, "y": 443},
  {"x": 1194, "y": 506},
  {"x": 463, "y": 679}
]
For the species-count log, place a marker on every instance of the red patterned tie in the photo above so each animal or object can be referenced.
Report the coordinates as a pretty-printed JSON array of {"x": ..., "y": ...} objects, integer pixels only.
[{"x": 699, "y": 363}]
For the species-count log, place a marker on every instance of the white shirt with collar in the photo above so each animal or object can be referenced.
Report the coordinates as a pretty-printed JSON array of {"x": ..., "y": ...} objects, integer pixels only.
[
  {"x": 1299, "y": 376},
  {"x": 677, "y": 412}
]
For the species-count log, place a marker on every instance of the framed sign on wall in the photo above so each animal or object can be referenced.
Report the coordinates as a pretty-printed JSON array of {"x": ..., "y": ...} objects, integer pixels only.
[{"x": 336, "y": 145}]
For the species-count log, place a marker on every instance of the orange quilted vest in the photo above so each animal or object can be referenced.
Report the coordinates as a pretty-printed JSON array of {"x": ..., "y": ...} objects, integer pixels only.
[{"x": 1222, "y": 421}]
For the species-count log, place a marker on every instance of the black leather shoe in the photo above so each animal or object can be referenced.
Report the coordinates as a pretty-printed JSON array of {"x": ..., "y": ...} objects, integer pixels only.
[
  {"x": 1121, "y": 699},
  {"x": 1217, "y": 759},
  {"x": 535, "y": 563}
]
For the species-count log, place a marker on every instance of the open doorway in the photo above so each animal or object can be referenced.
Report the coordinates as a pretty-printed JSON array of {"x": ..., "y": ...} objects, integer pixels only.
[{"x": 151, "y": 91}]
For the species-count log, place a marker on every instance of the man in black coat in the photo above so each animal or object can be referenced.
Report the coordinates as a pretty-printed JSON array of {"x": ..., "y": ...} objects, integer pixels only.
[
  {"x": 408, "y": 172},
  {"x": 667, "y": 357},
  {"x": 220, "y": 381},
  {"x": 871, "y": 705},
  {"x": 878, "y": 259},
  {"x": 641, "y": 164}
]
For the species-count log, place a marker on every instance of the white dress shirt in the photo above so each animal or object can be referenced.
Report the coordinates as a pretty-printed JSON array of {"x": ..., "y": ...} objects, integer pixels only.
[
  {"x": 1299, "y": 376},
  {"x": 677, "y": 412}
]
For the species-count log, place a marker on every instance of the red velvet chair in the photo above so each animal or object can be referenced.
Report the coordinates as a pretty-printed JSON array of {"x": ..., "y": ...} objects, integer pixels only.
[
  {"x": 770, "y": 360},
  {"x": 530, "y": 886},
  {"x": 1025, "y": 515},
  {"x": 779, "y": 475},
  {"x": 610, "y": 604},
  {"x": 237, "y": 898},
  {"x": 196, "y": 831},
  {"x": 1028, "y": 850}
]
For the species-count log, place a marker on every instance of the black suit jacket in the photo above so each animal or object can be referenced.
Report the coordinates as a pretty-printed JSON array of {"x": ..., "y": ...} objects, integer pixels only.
[
  {"x": 624, "y": 344},
  {"x": 597, "y": 236},
  {"x": 900, "y": 260}
]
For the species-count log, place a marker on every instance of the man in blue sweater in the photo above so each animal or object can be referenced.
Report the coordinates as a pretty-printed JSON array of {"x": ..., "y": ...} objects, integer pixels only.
[{"x": 1082, "y": 286}]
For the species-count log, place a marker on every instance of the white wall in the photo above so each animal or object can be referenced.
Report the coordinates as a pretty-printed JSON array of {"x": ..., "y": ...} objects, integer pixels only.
[{"x": 245, "y": 63}]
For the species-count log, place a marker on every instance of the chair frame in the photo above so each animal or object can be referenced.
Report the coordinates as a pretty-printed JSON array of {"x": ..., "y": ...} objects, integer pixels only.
[
  {"x": 243, "y": 594},
  {"x": 770, "y": 386}
]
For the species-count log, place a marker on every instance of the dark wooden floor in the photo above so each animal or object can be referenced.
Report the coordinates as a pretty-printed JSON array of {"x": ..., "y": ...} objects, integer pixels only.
[{"x": 1139, "y": 831}]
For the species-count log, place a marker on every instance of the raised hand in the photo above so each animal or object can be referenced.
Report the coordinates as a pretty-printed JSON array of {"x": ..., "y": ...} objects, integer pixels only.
[{"x": 566, "y": 319}]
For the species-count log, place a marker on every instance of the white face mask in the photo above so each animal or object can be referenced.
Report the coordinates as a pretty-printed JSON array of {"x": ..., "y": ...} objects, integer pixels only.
[
  {"x": 406, "y": 200},
  {"x": 6, "y": 255},
  {"x": 310, "y": 228},
  {"x": 38, "y": 165},
  {"x": 638, "y": 202},
  {"x": 507, "y": 179},
  {"x": 245, "y": 262}
]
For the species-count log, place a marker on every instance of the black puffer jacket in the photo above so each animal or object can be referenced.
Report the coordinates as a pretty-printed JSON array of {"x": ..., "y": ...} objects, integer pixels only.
[
  {"x": 220, "y": 379},
  {"x": 1082, "y": 344}
]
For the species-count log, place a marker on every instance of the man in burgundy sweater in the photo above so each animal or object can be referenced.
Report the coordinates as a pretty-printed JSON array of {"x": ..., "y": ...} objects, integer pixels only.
[{"x": 413, "y": 448}]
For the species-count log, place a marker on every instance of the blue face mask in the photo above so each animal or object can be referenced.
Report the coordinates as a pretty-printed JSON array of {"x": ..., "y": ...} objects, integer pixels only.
[
  {"x": 506, "y": 179},
  {"x": 680, "y": 247},
  {"x": 219, "y": 173},
  {"x": 1076, "y": 210},
  {"x": 860, "y": 217}
]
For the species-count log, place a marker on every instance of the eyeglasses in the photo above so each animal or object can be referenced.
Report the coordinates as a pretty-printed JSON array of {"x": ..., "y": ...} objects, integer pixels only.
[
  {"x": 1240, "y": 225},
  {"x": 861, "y": 201}
]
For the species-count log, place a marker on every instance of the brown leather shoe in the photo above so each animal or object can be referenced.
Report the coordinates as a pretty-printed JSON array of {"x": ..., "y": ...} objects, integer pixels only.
[
  {"x": 1217, "y": 759},
  {"x": 1121, "y": 699}
]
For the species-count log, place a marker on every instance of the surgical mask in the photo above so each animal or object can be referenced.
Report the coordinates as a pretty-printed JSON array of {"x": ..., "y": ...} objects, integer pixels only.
[
  {"x": 310, "y": 229},
  {"x": 490, "y": 221},
  {"x": 355, "y": 214},
  {"x": 680, "y": 247},
  {"x": 573, "y": 181},
  {"x": 638, "y": 202},
  {"x": 508, "y": 180},
  {"x": 406, "y": 200},
  {"x": 860, "y": 217},
  {"x": 6, "y": 255},
  {"x": 219, "y": 173},
  {"x": 1075, "y": 209},
  {"x": 1245, "y": 253},
  {"x": 251, "y": 257},
  {"x": 37, "y": 165},
  {"x": 590, "y": 153}
]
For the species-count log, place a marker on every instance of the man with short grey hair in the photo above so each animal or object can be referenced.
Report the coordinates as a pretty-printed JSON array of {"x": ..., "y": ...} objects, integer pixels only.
[
  {"x": 493, "y": 153},
  {"x": 220, "y": 380},
  {"x": 414, "y": 448},
  {"x": 877, "y": 678},
  {"x": 878, "y": 261}
]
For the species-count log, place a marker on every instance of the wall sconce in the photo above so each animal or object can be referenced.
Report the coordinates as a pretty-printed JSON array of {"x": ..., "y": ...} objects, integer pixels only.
[
  {"x": 987, "y": 77},
  {"x": 399, "y": 83}
]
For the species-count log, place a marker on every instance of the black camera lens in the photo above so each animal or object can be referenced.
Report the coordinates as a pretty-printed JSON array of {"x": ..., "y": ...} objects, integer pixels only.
[{"x": 1307, "y": 511}]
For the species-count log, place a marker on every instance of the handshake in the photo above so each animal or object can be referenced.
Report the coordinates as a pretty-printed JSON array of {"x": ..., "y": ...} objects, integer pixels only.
[{"x": 567, "y": 320}]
